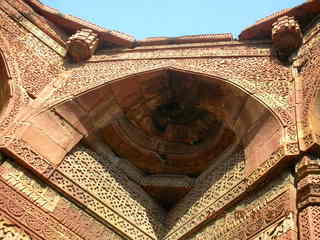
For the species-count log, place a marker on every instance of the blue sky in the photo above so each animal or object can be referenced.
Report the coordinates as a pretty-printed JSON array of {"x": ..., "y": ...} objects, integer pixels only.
[{"x": 152, "y": 18}]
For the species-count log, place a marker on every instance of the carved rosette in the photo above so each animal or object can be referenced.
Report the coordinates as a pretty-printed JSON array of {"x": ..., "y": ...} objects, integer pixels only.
[
  {"x": 286, "y": 36},
  {"x": 308, "y": 186},
  {"x": 82, "y": 44}
]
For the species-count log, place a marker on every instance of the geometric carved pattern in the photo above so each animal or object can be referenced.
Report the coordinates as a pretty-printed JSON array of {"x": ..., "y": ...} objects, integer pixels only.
[
  {"x": 30, "y": 216},
  {"x": 27, "y": 50},
  {"x": 219, "y": 179},
  {"x": 122, "y": 201},
  {"x": 24, "y": 151},
  {"x": 308, "y": 196},
  {"x": 114, "y": 199},
  {"x": 309, "y": 222},
  {"x": 260, "y": 210},
  {"x": 307, "y": 62}
]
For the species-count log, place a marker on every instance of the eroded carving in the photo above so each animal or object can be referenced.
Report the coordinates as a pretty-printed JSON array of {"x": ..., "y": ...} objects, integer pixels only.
[
  {"x": 286, "y": 35},
  {"x": 10, "y": 231},
  {"x": 257, "y": 217},
  {"x": 82, "y": 44}
]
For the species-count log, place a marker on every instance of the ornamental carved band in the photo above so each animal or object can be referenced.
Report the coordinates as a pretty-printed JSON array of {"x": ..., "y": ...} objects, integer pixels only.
[
  {"x": 308, "y": 196},
  {"x": 185, "y": 138}
]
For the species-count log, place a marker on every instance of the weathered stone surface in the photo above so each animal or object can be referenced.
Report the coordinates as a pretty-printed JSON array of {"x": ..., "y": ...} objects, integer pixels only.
[
  {"x": 82, "y": 44},
  {"x": 190, "y": 137}
]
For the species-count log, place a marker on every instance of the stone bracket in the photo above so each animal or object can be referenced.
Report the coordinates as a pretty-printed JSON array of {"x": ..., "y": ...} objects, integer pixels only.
[{"x": 82, "y": 44}]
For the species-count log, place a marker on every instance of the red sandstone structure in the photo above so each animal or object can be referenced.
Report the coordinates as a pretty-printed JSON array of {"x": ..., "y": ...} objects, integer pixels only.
[{"x": 104, "y": 137}]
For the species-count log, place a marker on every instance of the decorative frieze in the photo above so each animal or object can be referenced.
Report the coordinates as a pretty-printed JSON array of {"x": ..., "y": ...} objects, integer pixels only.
[{"x": 37, "y": 191}]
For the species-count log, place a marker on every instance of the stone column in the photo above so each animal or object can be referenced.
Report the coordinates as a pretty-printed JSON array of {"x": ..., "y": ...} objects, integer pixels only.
[
  {"x": 308, "y": 197},
  {"x": 82, "y": 44}
]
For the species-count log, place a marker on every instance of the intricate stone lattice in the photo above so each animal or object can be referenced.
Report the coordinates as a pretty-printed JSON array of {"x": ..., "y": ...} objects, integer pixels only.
[
  {"x": 113, "y": 199},
  {"x": 113, "y": 190},
  {"x": 220, "y": 178},
  {"x": 82, "y": 44},
  {"x": 308, "y": 197},
  {"x": 309, "y": 221}
]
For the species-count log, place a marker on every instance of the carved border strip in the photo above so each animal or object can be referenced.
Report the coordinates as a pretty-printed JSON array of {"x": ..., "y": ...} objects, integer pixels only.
[
  {"x": 10, "y": 229},
  {"x": 254, "y": 220},
  {"x": 306, "y": 85},
  {"x": 34, "y": 160},
  {"x": 42, "y": 36},
  {"x": 180, "y": 53},
  {"x": 107, "y": 215},
  {"x": 197, "y": 45},
  {"x": 30, "y": 216}
]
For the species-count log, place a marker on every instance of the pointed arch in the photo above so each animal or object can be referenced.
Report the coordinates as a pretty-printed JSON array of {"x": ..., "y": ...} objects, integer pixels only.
[
  {"x": 243, "y": 85},
  {"x": 5, "y": 89},
  {"x": 99, "y": 105}
]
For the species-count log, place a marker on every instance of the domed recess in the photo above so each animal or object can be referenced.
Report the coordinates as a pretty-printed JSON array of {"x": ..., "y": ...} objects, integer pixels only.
[
  {"x": 173, "y": 122},
  {"x": 169, "y": 126}
]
